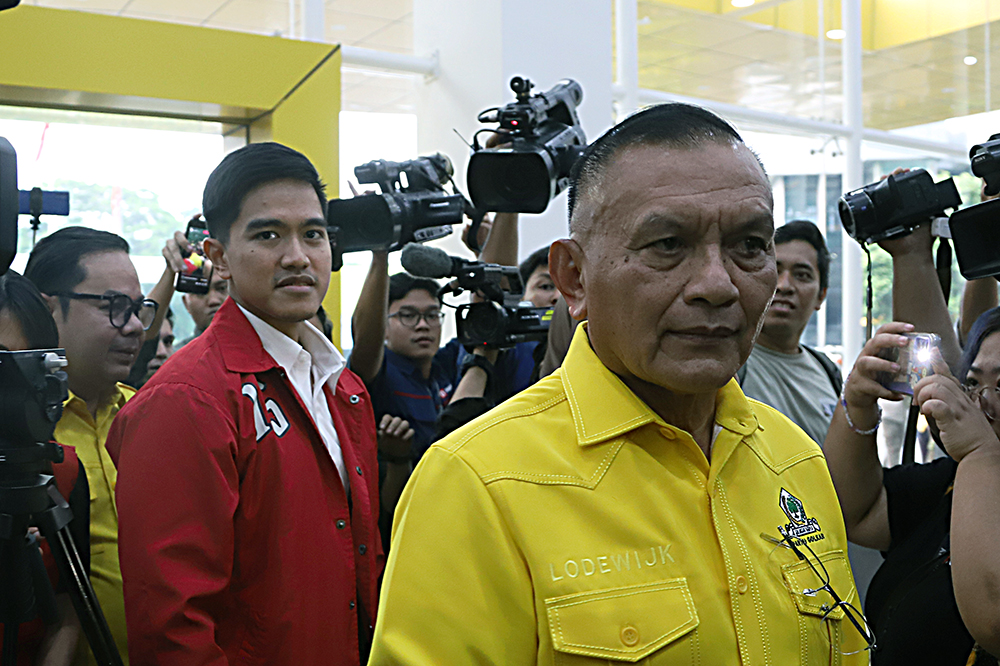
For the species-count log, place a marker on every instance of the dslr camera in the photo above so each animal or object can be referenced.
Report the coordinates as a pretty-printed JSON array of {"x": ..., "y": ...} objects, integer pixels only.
[
  {"x": 544, "y": 141},
  {"x": 502, "y": 320},
  {"x": 413, "y": 207},
  {"x": 895, "y": 206}
]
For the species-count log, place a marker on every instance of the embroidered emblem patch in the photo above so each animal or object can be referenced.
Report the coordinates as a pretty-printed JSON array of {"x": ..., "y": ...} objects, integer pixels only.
[{"x": 800, "y": 524}]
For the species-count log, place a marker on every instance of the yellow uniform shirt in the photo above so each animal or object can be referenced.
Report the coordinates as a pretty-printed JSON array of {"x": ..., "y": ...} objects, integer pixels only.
[
  {"x": 571, "y": 525},
  {"x": 78, "y": 429}
]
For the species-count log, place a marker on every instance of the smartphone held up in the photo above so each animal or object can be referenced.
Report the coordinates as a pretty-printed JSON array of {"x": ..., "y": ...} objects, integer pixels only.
[{"x": 197, "y": 273}]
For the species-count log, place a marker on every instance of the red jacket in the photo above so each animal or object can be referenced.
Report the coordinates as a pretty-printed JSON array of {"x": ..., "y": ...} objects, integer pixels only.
[{"x": 237, "y": 542}]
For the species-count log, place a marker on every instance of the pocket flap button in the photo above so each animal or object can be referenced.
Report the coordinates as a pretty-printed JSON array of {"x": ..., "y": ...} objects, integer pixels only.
[{"x": 630, "y": 636}]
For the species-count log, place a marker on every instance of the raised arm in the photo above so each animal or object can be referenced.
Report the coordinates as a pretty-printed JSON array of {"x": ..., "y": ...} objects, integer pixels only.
[
  {"x": 850, "y": 446},
  {"x": 916, "y": 293},
  {"x": 369, "y": 320}
]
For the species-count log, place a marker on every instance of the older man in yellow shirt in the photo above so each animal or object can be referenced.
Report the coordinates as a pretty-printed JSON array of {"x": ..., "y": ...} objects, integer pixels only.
[
  {"x": 635, "y": 505},
  {"x": 93, "y": 291}
]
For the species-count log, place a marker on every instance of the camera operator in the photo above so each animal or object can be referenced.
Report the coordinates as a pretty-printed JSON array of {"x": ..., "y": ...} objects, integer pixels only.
[
  {"x": 248, "y": 480},
  {"x": 935, "y": 594},
  {"x": 26, "y": 323},
  {"x": 90, "y": 285},
  {"x": 978, "y": 296},
  {"x": 932, "y": 598},
  {"x": 615, "y": 509}
]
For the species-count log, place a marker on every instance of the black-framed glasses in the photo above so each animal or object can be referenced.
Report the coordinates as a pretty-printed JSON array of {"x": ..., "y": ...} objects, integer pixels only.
[
  {"x": 988, "y": 397},
  {"x": 410, "y": 318},
  {"x": 120, "y": 307},
  {"x": 855, "y": 616}
]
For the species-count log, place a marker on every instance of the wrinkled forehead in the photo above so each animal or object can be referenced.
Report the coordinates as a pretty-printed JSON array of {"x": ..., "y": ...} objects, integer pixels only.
[{"x": 719, "y": 181}]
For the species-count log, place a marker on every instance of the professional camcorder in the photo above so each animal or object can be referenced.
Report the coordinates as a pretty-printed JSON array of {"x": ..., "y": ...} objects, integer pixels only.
[
  {"x": 545, "y": 141},
  {"x": 502, "y": 320},
  {"x": 33, "y": 387},
  {"x": 413, "y": 207},
  {"x": 895, "y": 206},
  {"x": 976, "y": 230},
  {"x": 985, "y": 159}
]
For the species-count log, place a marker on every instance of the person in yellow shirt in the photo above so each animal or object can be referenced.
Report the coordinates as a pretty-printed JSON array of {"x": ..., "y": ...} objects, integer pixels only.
[
  {"x": 93, "y": 291},
  {"x": 634, "y": 505}
]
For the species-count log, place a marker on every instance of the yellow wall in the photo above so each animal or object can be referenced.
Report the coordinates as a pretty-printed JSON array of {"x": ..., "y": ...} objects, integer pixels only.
[{"x": 78, "y": 60}]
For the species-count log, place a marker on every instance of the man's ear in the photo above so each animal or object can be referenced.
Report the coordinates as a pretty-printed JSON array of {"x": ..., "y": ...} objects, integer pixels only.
[
  {"x": 822, "y": 297},
  {"x": 565, "y": 266},
  {"x": 52, "y": 302},
  {"x": 216, "y": 252}
]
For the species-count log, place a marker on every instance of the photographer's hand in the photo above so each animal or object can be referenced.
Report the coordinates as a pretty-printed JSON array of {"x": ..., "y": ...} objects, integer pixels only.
[
  {"x": 962, "y": 425},
  {"x": 852, "y": 452},
  {"x": 394, "y": 436},
  {"x": 174, "y": 251}
]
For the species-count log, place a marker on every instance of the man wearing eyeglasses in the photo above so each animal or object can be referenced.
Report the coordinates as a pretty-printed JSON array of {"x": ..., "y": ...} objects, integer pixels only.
[
  {"x": 93, "y": 291},
  {"x": 397, "y": 350}
]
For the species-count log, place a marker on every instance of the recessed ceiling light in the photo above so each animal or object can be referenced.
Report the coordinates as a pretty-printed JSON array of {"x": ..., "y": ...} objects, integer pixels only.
[
  {"x": 742, "y": 3},
  {"x": 970, "y": 60},
  {"x": 836, "y": 33}
]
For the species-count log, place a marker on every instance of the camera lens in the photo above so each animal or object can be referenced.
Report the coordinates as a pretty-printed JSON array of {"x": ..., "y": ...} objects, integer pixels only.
[{"x": 857, "y": 213}]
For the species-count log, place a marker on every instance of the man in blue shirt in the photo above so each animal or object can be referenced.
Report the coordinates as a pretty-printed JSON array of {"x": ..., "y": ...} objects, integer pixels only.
[{"x": 397, "y": 350}]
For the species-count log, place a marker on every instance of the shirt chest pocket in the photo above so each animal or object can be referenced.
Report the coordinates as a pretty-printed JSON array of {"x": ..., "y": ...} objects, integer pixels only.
[
  {"x": 823, "y": 628},
  {"x": 625, "y": 624}
]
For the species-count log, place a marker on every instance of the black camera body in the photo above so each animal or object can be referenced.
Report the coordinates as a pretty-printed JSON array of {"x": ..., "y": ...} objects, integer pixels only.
[
  {"x": 501, "y": 325},
  {"x": 9, "y": 204},
  {"x": 985, "y": 158},
  {"x": 33, "y": 388},
  {"x": 413, "y": 207},
  {"x": 500, "y": 321},
  {"x": 545, "y": 141},
  {"x": 894, "y": 206}
]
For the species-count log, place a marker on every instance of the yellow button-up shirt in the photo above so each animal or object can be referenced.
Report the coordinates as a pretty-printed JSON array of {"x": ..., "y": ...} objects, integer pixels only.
[
  {"x": 572, "y": 525},
  {"x": 87, "y": 435}
]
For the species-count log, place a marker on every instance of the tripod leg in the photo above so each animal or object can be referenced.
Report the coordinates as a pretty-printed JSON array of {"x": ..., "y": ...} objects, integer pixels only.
[{"x": 92, "y": 621}]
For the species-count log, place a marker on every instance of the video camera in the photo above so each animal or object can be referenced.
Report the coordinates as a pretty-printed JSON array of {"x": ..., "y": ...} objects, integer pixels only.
[
  {"x": 502, "y": 320},
  {"x": 545, "y": 141},
  {"x": 413, "y": 207},
  {"x": 895, "y": 206}
]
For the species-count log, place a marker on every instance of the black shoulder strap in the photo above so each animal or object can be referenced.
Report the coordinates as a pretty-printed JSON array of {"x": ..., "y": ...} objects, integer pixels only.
[{"x": 832, "y": 371}]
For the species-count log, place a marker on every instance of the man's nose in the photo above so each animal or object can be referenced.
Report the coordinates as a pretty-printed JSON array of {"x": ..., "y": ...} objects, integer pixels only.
[
  {"x": 422, "y": 322},
  {"x": 295, "y": 254},
  {"x": 711, "y": 281},
  {"x": 133, "y": 326},
  {"x": 784, "y": 281}
]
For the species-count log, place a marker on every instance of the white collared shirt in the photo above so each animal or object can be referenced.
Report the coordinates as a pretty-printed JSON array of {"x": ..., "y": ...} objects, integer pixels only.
[{"x": 309, "y": 366}]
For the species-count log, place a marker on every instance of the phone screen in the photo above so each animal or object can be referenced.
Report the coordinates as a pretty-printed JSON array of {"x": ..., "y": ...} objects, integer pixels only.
[{"x": 197, "y": 271}]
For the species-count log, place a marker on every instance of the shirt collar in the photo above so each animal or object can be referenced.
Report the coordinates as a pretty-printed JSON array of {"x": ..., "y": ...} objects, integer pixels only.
[
  {"x": 326, "y": 361},
  {"x": 117, "y": 401},
  {"x": 603, "y": 407}
]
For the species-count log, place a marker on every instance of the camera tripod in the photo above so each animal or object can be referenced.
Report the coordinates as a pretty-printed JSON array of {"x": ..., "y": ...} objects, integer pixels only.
[{"x": 28, "y": 495}]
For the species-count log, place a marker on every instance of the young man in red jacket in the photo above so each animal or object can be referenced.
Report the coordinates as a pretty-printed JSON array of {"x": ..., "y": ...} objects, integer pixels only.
[{"x": 247, "y": 478}]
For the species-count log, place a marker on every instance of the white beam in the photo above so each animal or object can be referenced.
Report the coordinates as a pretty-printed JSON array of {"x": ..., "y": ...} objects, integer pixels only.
[
  {"x": 314, "y": 21},
  {"x": 394, "y": 62},
  {"x": 850, "y": 252},
  {"x": 627, "y": 55},
  {"x": 778, "y": 122}
]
